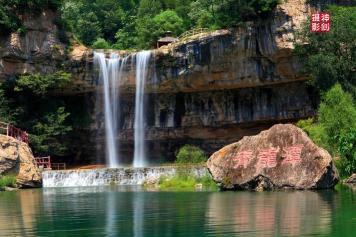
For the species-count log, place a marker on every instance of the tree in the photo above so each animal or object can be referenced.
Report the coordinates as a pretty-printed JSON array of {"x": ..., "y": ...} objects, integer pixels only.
[
  {"x": 335, "y": 127},
  {"x": 337, "y": 114},
  {"x": 101, "y": 43},
  {"x": 229, "y": 13},
  {"x": 40, "y": 84},
  {"x": 151, "y": 29},
  {"x": 330, "y": 58},
  {"x": 48, "y": 133}
]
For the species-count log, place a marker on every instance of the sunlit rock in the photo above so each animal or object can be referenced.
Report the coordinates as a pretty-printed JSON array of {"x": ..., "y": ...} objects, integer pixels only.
[
  {"x": 281, "y": 157},
  {"x": 16, "y": 158}
]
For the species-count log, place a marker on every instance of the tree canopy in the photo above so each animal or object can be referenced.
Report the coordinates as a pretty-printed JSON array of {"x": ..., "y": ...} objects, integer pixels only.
[
  {"x": 139, "y": 23},
  {"x": 330, "y": 57}
]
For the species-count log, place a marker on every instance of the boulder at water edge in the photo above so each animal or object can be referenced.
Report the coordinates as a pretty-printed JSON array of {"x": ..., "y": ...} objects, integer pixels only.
[
  {"x": 16, "y": 158},
  {"x": 281, "y": 157},
  {"x": 351, "y": 179}
]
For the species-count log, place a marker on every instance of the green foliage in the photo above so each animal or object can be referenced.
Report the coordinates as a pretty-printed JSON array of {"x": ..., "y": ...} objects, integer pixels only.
[
  {"x": 134, "y": 24},
  {"x": 48, "y": 133},
  {"x": 94, "y": 19},
  {"x": 5, "y": 107},
  {"x": 347, "y": 149},
  {"x": 335, "y": 128},
  {"x": 28, "y": 102},
  {"x": 330, "y": 58},
  {"x": 186, "y": 182},
  {"x": 100, "y": 43},
  {"x": 229, "y": 13},
  {"x": 189, "y": 154},
  {"x": 40, "y": 84},
  {"x": 315, "y": 131},
  {"x": 151, "y": 29},
  {"x": 337, "y": 114},
  {"x": 7, "y": 181}
]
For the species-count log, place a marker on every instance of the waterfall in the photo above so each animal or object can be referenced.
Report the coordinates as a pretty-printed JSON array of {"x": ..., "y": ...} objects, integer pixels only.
[
  {"x": 142, "y": 60},
  {"x": 110, "y": 75}
]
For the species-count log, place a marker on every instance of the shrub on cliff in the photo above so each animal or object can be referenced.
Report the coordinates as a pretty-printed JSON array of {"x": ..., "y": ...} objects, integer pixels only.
[
  {"x": 189, "y": 154},
  {"x": 335, "y": 128},
  {"x": 40, "y": 84},
  {"x": 101, "y": 43}
]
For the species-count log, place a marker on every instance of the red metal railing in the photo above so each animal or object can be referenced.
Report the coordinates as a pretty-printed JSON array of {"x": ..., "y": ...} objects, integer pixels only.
[
  {"x": 58, "y": 166},
  {"x": 12, "y": 131},
  {"x": 44, "y": 162}
]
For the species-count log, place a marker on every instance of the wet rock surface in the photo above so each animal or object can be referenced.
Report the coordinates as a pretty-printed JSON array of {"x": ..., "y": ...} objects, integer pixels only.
[
  {"x": 278, "y": 158},
  {"x": 16, "y": 158},
  {"x": 351, "y": 179}
]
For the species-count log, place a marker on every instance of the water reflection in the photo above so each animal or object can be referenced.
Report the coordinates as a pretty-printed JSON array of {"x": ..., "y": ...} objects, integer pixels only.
[
  {"x": 138, "y": 208},
  {"x": 127, "y": 211},
  {"x": 17, "y": 211},
  {"x": 270, "y": 214}
]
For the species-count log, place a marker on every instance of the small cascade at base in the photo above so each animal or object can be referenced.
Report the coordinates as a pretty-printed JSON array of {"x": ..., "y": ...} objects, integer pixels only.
[{"x": 116, "y": 176}]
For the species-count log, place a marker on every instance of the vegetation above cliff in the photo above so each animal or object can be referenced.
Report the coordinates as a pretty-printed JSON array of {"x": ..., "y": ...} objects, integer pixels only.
[
  {"x": 330, "y": 58},
  {"x": 138, "y": 24}
]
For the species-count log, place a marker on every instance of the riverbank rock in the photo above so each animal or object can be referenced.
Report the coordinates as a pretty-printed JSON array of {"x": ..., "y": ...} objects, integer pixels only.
[
  {"x": 16, "y": 158},
  {"x": 351, "y": 179},
  {"x": 281, "y": 157}
]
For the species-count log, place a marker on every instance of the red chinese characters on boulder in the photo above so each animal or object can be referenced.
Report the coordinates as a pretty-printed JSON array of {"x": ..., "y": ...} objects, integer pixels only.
[
  {"x": 242, "y": 159},
  {"x": 292, "y": 154},
  {"x": 320, "y": 22},
  {"x": 267, "y": 158}
]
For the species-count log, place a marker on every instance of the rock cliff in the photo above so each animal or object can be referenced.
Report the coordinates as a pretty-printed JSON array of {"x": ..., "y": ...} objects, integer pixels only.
[
  {"x": 16, "y": 158},
  {"x": 210, "y": 89}
]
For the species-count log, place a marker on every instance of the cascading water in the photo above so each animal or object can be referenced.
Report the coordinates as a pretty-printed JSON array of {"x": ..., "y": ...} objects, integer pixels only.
[
  {"x": 142, "y": 60},
  {"x": 110, "y": 75}
]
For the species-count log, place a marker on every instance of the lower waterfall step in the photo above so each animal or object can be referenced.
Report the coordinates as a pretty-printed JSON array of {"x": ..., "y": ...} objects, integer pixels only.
[{"x": 115, "y": 176}]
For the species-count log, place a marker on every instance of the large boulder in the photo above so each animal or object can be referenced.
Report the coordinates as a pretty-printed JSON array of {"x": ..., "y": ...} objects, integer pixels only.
[
  {"x": 281, "y": 157},
  {"x": 16, "y": 158}
]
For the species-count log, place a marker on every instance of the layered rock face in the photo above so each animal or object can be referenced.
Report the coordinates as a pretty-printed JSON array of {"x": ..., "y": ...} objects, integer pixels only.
[
  {"x": 281, "y": 157},
  {"x": 209, "y": 89},
  {"x": 214, "y": 88},
  {"x": 37, "y": 50},
  {"x": 16, "y": 158}
]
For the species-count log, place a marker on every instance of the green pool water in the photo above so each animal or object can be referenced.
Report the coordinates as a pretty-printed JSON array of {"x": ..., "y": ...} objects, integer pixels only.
[{"x": 114, "y": 211}]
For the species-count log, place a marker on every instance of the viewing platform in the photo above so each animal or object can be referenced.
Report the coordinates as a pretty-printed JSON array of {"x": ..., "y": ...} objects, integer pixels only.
[
  {"x": 44, "y": 163},
  {"x": 12, "y": 131}
]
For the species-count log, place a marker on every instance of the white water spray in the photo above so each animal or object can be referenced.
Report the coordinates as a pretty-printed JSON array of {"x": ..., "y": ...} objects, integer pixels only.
[
  {"x": 110, "y": 76},
  {"x": 142, "y": 60}
]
